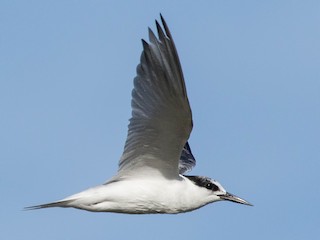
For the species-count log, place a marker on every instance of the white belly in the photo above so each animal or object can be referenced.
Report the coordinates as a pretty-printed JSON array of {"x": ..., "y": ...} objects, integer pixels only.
[{"x": 139, "y": 196}]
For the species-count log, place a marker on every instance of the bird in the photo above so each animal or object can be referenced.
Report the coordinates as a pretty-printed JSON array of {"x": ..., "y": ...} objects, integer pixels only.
[{"x": 151, "y": 176}]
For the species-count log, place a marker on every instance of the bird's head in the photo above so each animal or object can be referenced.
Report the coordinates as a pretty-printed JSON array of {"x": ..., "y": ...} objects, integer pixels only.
[{"x": 214, "y": 189}]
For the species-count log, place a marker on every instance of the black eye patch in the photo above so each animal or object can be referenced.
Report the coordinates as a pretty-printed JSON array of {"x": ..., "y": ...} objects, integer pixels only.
[
  {"x": 203, "y": 182},
  {"x": 212, "y": 186}
]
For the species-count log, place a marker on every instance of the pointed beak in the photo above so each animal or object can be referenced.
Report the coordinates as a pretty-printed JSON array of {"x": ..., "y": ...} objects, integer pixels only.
[{"x": 233, "y": 198}]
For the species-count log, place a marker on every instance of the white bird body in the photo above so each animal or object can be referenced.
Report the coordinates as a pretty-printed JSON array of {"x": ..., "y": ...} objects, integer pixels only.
[
  {"x": 156, "y": 154},
  {"x": 143, "y": 195}
]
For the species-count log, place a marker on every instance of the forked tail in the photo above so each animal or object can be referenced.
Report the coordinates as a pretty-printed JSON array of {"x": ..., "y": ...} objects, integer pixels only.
[{"x": 49, "y": 205}]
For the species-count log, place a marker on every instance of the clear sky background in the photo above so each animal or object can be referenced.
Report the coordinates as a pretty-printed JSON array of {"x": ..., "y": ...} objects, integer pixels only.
[{"x": 252, "y": 70}]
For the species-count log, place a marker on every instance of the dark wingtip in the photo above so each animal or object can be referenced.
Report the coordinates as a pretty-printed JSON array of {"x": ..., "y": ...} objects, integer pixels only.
[
  {"x": 164, "y": 23},
  {"x": 161, "y": 17}
]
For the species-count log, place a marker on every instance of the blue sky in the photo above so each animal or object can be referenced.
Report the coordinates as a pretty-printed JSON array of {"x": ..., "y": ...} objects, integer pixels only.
[{"x": 253, "y": 79}]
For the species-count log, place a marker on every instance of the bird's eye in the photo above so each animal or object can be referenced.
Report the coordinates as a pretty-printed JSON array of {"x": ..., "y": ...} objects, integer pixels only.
[{"x": 212, "y": 186}]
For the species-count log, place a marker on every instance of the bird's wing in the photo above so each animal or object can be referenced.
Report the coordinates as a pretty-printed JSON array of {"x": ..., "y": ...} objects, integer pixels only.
[
  {"x": 161, "y": 119},
  {"x": 187, "y": 160}
]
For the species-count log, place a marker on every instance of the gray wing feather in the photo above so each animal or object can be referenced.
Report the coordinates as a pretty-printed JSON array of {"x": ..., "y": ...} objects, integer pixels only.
[
  {"x": 161, "y": 119},
  {"x": 187, "y": 160}
]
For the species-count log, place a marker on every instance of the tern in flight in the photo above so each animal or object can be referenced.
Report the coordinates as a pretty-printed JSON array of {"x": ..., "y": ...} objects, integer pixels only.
[{"x": 150, "y": 178}]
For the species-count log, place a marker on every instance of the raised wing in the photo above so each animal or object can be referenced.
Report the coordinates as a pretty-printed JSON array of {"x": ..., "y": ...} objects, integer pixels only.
[{"x": 161, "y": 119}]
